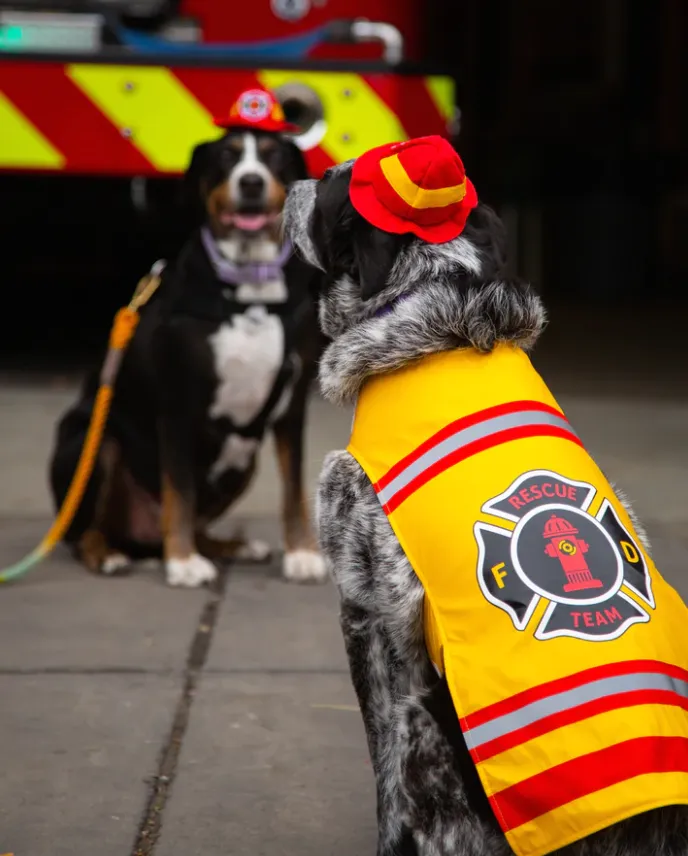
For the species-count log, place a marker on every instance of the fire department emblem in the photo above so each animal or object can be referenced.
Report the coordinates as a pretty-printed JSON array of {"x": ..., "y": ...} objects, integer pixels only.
[
  {"x": 589, "y": 569},
  {"x": 255, "y": 106},
  {"x": 290, "y": 10}
]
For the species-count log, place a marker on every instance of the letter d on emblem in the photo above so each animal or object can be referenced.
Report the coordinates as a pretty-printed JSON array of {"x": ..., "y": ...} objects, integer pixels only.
[{"x": 630, "y": 552}]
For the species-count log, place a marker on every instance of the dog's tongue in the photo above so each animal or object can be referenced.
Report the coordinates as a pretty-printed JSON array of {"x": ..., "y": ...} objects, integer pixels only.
[{"x": 250, "y": 222}]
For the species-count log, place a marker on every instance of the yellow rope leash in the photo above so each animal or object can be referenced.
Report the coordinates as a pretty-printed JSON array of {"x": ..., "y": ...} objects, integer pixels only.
[{"x": 123, "y": 328}]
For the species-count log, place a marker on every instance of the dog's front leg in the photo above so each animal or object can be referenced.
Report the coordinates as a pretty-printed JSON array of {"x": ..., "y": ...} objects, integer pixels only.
[
  {"x": 344, "y": 512},
  {"x": 184, "y": 566},
  {"x": 93, "y": 547},
  {"x": 423, "y": 807},
  {"x": 302, "y": 561}
]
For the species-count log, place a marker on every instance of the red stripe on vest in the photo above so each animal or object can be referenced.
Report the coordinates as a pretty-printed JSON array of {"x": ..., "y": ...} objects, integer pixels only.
[
  {"x": 588, "y": 774},
  {"x": 459, "y": 425},
  {"x": 578, "y": 713},
  {"x": 470, "y": 449},
  {"x": 560, "y": 685}
]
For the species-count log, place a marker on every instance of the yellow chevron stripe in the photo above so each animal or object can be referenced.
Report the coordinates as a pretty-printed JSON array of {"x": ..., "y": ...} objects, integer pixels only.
[
  {"x": 413, "y": 194},
  {"x": 357, "y": 119},
  {"x": 441, "y": 91},
  {"x": 22, "y": 145},
  {"x": 151, "y": 107}
]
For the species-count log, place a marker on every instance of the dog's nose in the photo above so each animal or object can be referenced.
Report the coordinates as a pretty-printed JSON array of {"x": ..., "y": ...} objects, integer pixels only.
[{"x": 251, "y": 185}]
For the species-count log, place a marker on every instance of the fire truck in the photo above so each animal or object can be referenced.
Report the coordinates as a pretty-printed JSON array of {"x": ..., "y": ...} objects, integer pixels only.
[
  {"x": 127, "y": 88},
  {"x": 102, "y": 102}
]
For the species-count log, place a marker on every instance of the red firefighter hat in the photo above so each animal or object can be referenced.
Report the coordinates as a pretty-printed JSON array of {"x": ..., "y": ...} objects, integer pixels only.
[
  {"x": 417, "y": 186},
  {"x": 257, "y": 109}
]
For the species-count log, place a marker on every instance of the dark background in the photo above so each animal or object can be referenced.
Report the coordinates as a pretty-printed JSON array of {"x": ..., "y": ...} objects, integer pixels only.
[{"x": 574, "y": 125}]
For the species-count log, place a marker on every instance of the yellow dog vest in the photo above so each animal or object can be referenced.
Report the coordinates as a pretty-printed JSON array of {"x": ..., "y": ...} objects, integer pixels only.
[{"x": 564, "y": 649}]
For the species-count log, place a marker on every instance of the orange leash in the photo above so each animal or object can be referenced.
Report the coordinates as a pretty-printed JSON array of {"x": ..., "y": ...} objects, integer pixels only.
[{"x": 123, "y": 329}]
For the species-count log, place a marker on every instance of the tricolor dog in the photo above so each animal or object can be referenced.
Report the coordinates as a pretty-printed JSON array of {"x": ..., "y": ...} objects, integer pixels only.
[
  {"x": 520, "y": 664},
  {"x": 224, "y": 353}
]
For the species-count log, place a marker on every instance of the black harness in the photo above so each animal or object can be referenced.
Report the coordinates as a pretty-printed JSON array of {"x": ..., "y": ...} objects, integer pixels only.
[{"x": 190, "y": 288}]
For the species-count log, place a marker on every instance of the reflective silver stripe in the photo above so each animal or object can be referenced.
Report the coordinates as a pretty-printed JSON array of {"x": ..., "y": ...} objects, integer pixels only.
[
  {"x": 530, "y": 713},
  {"x": 469, "y": 435}
]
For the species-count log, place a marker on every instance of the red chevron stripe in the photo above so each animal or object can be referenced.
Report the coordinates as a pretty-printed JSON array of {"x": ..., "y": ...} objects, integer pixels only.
[
  {"x": 410, "y": 99},
  {"x": 69, "y": 120}
]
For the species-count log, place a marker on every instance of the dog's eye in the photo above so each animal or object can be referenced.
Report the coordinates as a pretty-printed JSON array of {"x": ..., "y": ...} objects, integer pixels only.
[
  {"x": 228, "y": 157},
  {"x": 274, "y": 159}
]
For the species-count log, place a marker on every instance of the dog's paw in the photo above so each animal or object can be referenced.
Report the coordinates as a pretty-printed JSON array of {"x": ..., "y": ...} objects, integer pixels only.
[
  {"x": 115, "y": 563},
  {"x": 191, "y": 572},
  {"x": 303, "y": 566},
  {"x": 254, "y": 551}
]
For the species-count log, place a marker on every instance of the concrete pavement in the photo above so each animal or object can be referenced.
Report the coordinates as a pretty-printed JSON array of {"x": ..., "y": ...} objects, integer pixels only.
[{"x": 136, "y": 719}]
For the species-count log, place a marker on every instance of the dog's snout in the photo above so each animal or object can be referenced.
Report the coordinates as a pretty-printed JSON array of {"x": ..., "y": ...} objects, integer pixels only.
[{"x": 251, "y": 185}]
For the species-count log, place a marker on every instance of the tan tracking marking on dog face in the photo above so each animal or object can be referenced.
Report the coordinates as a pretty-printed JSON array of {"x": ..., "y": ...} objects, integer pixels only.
[{"x": 247, "y": 185}]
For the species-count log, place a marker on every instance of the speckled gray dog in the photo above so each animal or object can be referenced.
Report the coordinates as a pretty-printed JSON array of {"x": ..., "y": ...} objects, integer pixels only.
[{"x": 430, "y": 802}]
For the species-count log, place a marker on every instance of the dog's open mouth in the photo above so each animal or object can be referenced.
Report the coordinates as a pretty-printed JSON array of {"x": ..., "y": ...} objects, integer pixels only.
[{"x": 247, "y": 221}]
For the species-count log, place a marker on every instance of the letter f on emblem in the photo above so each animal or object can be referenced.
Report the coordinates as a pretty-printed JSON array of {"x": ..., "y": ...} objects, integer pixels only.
[{"x": 499, "y": 574}]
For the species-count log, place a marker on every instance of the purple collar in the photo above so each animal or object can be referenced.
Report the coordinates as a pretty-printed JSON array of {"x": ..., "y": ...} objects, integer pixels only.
[
  {"x": 253, "y": 273},
  {"x": 388, "y": 308}
]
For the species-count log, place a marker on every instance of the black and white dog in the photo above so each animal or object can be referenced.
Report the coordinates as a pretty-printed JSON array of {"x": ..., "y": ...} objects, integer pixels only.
[
  {"x": 430, "y": 800},
  {"x": 225, "y": 351}
]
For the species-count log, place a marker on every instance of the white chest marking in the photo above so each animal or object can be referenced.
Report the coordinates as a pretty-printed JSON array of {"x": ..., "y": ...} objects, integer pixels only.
[
  {"x": 237, "y": 453},
  {"x": 272, "y": 291},
  {"x": 248, "y": 352}
]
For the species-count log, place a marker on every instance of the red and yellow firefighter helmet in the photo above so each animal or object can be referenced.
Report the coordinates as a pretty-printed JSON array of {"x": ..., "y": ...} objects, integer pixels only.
[
  {"x": 257, "y": 109},
  {"x": 417, "y": 186}
]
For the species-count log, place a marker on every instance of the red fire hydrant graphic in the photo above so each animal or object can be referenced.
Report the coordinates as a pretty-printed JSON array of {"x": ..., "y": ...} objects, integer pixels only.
[{"x": 565, "y": 546}]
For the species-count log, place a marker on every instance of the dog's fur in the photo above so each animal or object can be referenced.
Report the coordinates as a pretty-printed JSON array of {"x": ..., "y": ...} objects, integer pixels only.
[
  {"x": 212, "y": 367},
  {"x": 437, "y": 297}
]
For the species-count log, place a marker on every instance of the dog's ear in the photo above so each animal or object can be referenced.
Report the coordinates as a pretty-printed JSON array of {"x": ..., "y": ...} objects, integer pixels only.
[
  {"x": 191, "y": 183},
  {"x": 296, "y": 168},
  {"x": 375, "y": 252},
  {"x": 488, "y": 234}
]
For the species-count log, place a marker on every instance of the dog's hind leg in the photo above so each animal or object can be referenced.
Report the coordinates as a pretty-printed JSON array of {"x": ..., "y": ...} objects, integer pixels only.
[
  {"x": 445, "y": 809},
  {"x": 302, "y": 561}
]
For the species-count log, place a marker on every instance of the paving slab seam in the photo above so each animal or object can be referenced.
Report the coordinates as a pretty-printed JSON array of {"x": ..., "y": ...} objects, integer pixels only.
[
  {"x": 151, "y": 823},
  {"x": 89, "y": 670},
  {"x": 287, "y": 670}
]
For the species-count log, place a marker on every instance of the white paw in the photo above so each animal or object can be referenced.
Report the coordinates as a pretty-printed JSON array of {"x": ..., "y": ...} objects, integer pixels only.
[
  {"x": 304, "y": 566},
  {"x": 191, "y": 572},
  {"x": 254, "y": 551},
  {"x": 114, "y": 562}
]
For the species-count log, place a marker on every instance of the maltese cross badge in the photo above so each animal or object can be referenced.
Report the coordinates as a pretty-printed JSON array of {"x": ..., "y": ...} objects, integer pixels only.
[{"x": 589, "y": 569}]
